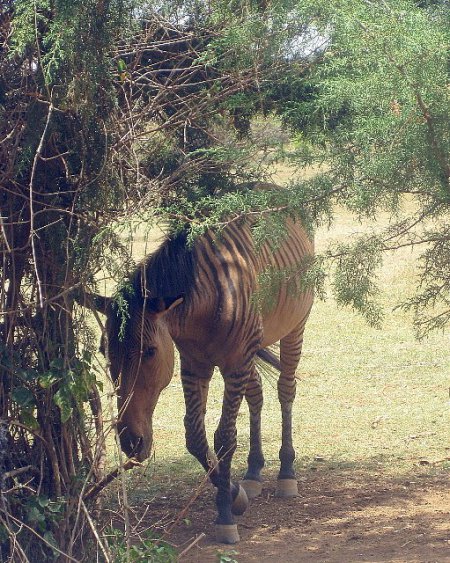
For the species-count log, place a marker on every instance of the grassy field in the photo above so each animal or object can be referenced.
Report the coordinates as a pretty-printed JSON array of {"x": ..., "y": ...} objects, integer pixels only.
[
  {"x": 370, "y": 402},
  {"x": 366, "y": 397}
]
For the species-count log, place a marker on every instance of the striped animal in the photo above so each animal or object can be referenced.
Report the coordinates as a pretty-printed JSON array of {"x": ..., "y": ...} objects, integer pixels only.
[{"x": 202, "y": 299}]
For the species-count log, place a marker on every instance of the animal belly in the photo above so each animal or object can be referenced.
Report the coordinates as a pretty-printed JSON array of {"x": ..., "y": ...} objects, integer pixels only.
[{"x": 285, "y": 317}]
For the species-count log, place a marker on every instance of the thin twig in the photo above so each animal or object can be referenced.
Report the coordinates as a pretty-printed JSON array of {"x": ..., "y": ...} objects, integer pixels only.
[
  {"x": 191, "y": 545},
  {"x": 31, "y": 194},
  {"x": 17, "y": 521},
  {"x": 104, "y": 549},
  {"x": 16, "y": 472}
]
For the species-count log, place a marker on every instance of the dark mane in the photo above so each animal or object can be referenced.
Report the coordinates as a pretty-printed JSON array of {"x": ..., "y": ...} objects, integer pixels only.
[{"x": 168, "y": 272}]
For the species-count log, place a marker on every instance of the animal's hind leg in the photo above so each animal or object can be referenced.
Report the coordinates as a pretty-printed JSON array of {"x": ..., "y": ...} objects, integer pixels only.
[
  {"x": 290, "y": 351},
  {"x": 254, "y": 396}
]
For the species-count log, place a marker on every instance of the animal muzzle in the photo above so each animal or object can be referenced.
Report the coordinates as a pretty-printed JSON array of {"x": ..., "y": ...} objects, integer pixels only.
[{"x": 134, "y": 445}]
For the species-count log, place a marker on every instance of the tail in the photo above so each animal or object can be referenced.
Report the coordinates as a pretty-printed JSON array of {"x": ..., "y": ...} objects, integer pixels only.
[{"x": 269, "y": 358}]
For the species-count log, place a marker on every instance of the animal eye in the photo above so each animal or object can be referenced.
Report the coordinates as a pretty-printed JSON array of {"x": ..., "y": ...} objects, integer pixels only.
[{"x": 149, "y": 352}]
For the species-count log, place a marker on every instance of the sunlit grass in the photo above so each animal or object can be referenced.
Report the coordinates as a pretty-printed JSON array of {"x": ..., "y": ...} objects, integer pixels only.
[{"x": 373, "y": 399}]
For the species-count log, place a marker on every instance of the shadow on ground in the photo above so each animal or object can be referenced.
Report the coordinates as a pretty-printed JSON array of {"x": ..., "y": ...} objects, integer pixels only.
[{"x": 340, "y": 516}]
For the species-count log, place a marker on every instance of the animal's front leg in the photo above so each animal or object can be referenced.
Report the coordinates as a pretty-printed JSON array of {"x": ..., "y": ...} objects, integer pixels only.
[
  {"x": 195, "y": 391},
  {"x": 230, "y": 498}
]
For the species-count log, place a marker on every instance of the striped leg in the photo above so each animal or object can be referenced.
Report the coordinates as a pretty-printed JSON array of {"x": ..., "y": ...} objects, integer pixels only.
[
  {"x": 231, "y": 498},
  {"x": 254, "y": 396},
  {"x": 195, "y": 391},
  {"x": 225, "y": 445},
  {"x": 290, "y": 351}
]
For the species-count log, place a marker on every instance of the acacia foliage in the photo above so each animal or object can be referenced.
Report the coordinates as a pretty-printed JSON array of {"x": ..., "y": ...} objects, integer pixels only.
[
  {"x": 371, "y": 113},
  {"x": 377, "y": 114}
]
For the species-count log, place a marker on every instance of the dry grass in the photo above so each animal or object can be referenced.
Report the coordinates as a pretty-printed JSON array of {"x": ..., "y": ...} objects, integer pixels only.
[{"x": 368, "y": 399}]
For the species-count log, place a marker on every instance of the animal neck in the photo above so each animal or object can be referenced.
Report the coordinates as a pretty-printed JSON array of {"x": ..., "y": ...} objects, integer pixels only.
[{"x": 174, "y": 322}]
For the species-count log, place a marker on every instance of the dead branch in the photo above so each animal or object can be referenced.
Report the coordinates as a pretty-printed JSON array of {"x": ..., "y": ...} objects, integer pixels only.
[
  {"x": 98, "y": 487},
  {"x": 16, "y": 472}
]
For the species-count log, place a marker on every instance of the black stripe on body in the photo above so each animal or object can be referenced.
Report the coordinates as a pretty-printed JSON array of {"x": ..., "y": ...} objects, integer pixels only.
[
  {"x": 241, "y": 239},
  {"x": 238, "y": 304},
  {"x": 215, "y": 276},
  {"x": 223, "y": 263}
]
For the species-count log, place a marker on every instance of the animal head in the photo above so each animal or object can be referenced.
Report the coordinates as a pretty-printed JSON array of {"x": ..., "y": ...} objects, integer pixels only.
[{"x": 141, "y": 360}]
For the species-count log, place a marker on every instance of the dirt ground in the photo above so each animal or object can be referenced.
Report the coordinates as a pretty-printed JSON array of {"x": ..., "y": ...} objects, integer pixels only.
[{"x": 338, "y": 517}]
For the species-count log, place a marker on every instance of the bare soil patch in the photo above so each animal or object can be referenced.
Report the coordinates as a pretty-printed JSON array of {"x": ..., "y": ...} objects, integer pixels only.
[{"x": 338, "y": 517}]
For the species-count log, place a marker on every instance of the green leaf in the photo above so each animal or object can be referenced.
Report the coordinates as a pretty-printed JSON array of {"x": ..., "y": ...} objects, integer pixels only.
[
  {"x": 23, "y": 397},
  {"x": 35, "y": 515},
  {"x": 50, "y": 538},
  {"x": 55, "y": 507},
  {"x": 28, "y": 374},
  {"x": 48, "y": 379},
  {"x": 43, "y": 501},
  {"x": 57, "y": 364},
  {"x": 28, "y": 419},
  {"x": 63, "y": 400}
]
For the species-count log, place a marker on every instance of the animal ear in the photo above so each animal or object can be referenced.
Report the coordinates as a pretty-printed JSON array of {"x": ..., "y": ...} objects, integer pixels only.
[
  {"x": 162, "y": 305},
  {"x": 93, "y": 301},
  {"x": 102, "y": 304}
]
